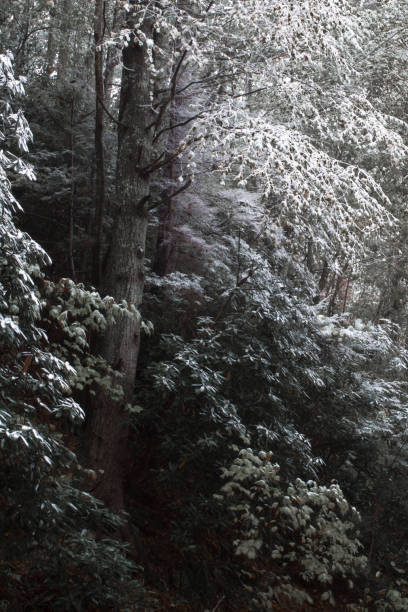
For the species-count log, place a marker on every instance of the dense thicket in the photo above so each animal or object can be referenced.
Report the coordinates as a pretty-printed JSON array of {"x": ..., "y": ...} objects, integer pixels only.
[
  {"x": 51, "y": 554},
  {"x": 203, "y": 391}
]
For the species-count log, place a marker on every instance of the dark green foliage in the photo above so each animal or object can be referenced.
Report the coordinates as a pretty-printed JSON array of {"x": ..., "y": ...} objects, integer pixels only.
[
  {"x": 263, "y": 369},
  {"x": 244, "y": 367},
  {"x": 57, "y": 546}
]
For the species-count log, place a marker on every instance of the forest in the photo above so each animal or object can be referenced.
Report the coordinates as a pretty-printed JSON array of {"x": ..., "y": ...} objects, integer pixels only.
[{"x": 203, "y": 305}]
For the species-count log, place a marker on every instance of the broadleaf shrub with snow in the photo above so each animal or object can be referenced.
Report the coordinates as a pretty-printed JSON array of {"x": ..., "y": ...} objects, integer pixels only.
[
  {"x": 51, "y": 554},
  {"x": 304, "y": 525}
]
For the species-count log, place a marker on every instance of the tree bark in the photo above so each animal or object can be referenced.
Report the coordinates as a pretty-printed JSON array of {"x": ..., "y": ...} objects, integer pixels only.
[
  {"x": 108, "y": 430},
  {"x": 99, "y": 144},
  {"x": 166, "y": 245},
  {"x": 20, "y": 56},
  {"x": 64, "y": 40},
  {"x": 71, "y": 261},
  {"x": 164, "y": 261},
  {"x": 51, "y": 42},
  {"x": 112, "y": 53}
]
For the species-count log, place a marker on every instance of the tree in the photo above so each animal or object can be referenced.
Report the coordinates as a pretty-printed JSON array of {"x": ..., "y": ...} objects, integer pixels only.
[
  {"x": 258, "y": 138},
  {"x": 138, "y": 160},
  {"x": 125, "y": 267},
  {"x": 56, "y": 546},
  {"x": 99, "y": 140}
]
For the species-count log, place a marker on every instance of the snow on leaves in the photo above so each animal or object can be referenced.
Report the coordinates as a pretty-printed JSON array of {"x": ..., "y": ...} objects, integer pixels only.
[{"x": 304, "y": 523}]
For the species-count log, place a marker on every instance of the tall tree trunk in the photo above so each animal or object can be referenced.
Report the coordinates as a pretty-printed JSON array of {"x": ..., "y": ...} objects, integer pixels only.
[
  {"x": 166, "y": 245},
  {"x": 99, "y": 143},
  {"x": 71, "y": 262},
  {"x": 108, "y": 431},
  {"x": 51, "y": 42},
  {"x": 112, "y": 53},
  {"x": 20, "y": 55},
  {"x": 164, "y": 260},
  {"x": 64, "y": 40}
]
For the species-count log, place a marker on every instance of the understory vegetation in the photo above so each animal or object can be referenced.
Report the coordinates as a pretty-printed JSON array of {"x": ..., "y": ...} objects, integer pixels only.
[{"x": 203, "y": 305}]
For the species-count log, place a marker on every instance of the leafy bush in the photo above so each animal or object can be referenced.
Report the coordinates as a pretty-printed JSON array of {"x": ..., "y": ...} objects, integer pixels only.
[
  {"x": 57, "y": 549},
  {"x": 304, "y": 526}
]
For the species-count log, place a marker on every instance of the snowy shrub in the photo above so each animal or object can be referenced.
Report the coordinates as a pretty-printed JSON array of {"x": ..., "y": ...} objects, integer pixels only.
[
  {"x": 73, "y": 313},
  {"x": 303, "y": 524},
  {"x": 50, "y": 557}
]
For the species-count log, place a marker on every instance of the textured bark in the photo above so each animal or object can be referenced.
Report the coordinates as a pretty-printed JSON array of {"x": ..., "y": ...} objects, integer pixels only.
[
  {"x": 166, "y": 245},
  {"x": 20, "y": 55},
  {"x": 108, "y": 431},
  {"x": 64, "y": 39},
  {"x": 164, "y": 261},
  {"x": 99, "y": 144},
  {"x": 51, "y": 51},
  {"x": 112, "y": 53},
  {"x": 71, "y": 262}
]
